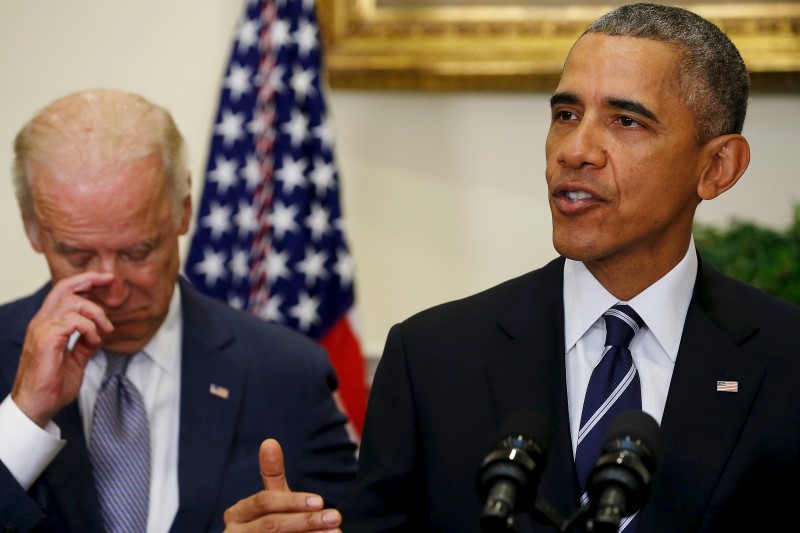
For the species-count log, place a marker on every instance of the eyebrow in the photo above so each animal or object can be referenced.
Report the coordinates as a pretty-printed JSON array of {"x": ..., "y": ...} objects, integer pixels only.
[
  {"x": 64, "y": 248},
  {"x": 633, "y": 107},
  {"x": 563, "y": 98},
  {"x": 623, "y": 104}
]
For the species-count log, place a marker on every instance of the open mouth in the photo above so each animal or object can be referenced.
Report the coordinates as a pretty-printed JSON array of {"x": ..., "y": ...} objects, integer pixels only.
[{"x": 574, "y": 196}]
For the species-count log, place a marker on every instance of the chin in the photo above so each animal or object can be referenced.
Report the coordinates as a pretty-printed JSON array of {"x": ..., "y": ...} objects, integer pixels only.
[
  {"x": 127, "y": 338},
  {"x": 577, "y": 249}
]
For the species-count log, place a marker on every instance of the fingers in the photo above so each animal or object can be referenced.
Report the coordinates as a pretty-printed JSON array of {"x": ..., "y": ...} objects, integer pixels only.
[
  {"x": 68, "y": 309},
  {"x": 270, "y": 459},
  {"x": 88, "y": 327},
  {"x": 277, "y": 508},
  {"x": 84, "y": 282},
  {"x": 49, "y": 376},
  {"x": 281, "y": 511}
]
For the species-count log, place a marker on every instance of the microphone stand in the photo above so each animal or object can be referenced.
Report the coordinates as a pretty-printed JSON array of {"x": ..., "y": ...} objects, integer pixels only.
[
  {"x": 608, "y": 515},
  {"x": 578, "y": 519},
  {"x": 607, "y": 520},
  {"x": 543, "y": 512}
]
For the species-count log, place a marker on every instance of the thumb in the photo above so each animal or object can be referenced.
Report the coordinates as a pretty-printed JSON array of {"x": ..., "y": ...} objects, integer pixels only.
[{"x": 270, "y": 459}]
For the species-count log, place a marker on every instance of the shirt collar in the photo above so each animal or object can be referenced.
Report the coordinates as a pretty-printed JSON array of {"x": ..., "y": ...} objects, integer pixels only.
[
  {"x": 164, "y": 348},
  {"x": 663, "y": 305}
]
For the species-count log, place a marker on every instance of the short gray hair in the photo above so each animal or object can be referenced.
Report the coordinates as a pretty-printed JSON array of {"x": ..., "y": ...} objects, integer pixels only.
[{"x": 114, "y": 125}]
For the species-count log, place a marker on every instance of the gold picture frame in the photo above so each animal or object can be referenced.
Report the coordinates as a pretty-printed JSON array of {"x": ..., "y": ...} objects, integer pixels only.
[{"x": 517, "y": 46}]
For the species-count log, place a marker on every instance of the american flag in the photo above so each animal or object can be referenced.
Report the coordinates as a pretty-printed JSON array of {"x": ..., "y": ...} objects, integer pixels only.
[
  {"x": 269, "y": 235},
  {"x": 727, "y": 386}
]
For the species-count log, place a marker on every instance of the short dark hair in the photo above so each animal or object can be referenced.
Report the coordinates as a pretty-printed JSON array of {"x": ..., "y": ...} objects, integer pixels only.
[{"x": 712, "y": 77}]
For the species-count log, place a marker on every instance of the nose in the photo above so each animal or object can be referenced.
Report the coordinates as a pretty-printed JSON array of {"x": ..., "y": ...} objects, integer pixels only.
[
  {"x": 582, "y": 146},
  {"x": 115, "y": 293}
]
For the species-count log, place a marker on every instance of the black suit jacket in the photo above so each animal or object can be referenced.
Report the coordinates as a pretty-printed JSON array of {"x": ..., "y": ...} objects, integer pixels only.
[
  {"x": 450, "y": 375},
  {"x": 280, "y": 385}
]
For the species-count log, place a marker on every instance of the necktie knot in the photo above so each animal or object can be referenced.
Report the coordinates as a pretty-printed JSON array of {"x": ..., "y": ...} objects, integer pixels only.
[
  {"x": 622, "y": 323},
  {"x": 117, "y": 363}
]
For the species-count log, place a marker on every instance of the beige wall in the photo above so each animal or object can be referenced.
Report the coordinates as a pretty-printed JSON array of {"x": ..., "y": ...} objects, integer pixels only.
[{"x": 443, "y": 193}]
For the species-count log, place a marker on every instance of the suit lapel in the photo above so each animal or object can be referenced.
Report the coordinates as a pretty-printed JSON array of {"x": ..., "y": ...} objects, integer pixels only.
[
  {"x": 698, "y": 418},
  {"x": 529, "y": 372},
  {"x": 207, "y": 421},
  {"x": 70, "y": 475}
]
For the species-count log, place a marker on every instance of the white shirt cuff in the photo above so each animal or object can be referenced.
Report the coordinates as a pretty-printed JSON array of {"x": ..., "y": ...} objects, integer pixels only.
[{"x": 30, "y": 449}]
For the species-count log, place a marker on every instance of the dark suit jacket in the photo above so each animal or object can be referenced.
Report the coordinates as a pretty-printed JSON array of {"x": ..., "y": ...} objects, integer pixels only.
[
  {"x": 451, "y": 374},
  {"x": 280, "y": 386}
]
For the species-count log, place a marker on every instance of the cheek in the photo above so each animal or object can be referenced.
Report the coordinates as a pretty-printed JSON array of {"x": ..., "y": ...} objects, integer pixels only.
[
  {"x": 549, "y": 173},
  {"x": 550, "y": 147},
  {"x": 653, "y": 176},
  {"x": 551, "y": 169},
  {"x": 656, "y": 201},
  {"x": 146, "y": 277},
  {"x": 155, "y": 277},
  {"x": 677, "y": 183},
  {"x": 149, "y": 290}
]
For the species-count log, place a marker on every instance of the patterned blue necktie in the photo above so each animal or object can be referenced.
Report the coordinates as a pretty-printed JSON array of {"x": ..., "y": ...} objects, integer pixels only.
[
  {"x": 613, "y": 387},
  {"x": 120, "y": 450}
]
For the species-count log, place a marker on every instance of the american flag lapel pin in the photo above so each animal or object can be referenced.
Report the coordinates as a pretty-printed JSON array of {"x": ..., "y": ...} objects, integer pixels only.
[
  {"x": 219, "y": 391},
  {"x": 727, "y": 386}
]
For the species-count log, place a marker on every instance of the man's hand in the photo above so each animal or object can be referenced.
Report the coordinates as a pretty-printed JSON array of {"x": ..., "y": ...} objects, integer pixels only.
[
  {"x": 49, "y": 375},
  {"x": 277, "y": 508}
]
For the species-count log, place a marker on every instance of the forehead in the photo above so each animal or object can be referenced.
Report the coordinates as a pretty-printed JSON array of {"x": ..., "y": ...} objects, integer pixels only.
[
  {"x": 603, "y": 66},
  {"x": 105, "y": 201}
]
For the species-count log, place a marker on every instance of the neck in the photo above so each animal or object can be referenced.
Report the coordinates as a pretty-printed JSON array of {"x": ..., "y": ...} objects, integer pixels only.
[{"x": 627, "y": 277}]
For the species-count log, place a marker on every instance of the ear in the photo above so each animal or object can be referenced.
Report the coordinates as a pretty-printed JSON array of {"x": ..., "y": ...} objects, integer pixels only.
[
  {"x": 727, "y": 158},
  {"x": 32, "y": 231},
  {"x": 186, "y": 217}
]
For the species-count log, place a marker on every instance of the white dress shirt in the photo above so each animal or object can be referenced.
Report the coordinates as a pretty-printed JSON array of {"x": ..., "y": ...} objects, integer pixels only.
[
  {"x": 155, "y": 371},
  {"x": 662, "y": 306}
]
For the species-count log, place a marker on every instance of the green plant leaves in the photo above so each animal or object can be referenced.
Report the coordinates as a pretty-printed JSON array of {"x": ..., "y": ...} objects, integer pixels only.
[{"x": 761, "y": 256}]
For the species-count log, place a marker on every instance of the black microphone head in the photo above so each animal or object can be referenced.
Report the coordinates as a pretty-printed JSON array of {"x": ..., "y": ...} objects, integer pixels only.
[
  {"x": 627, "y": 461},
  {"x": 508, "y": 477},
  {"x": 531, "y": 425},
  {"x": 634, "y": 428}
]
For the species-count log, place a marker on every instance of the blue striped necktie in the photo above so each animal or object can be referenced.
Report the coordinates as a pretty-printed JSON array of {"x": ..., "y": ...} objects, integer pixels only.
[
  {"x": 613, "y": 387},
  {"x": 119, "y": 446}
]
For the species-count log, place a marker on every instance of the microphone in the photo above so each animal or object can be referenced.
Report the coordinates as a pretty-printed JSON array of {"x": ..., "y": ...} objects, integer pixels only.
[
  {"x": 619, "y": 483},
  {"x": 509, "y": 475}
]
